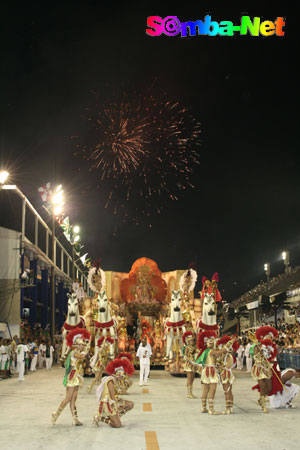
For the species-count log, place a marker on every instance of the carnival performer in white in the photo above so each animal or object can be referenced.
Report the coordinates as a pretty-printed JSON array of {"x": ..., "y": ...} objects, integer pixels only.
[
  {"x": 174, "y": 326},
  {"x": 144, "y": 353},
  {"x": 248, "y": 357},
  {"x": 78, "y": 341}
]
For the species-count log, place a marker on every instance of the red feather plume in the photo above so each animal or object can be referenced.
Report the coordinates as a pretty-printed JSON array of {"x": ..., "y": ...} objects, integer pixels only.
[
  {"x": 118, "y": 362},
  {"x": 126, "y": 355},
  {"x": 185, "y": 335},
  {"x": 205, "y": 334},
  {"x": 85, "y": 334},
  {"x": 261, "y": 332},
  {"x": 215, "y": 277},
  {"x": 224, "y": 339},
  {"x": 108, "y": 338},
  {"x": 203, "y": 279}
]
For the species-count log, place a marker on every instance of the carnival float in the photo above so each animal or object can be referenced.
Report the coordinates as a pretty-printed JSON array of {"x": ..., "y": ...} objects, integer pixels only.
[{"x": 144, "y": 302}]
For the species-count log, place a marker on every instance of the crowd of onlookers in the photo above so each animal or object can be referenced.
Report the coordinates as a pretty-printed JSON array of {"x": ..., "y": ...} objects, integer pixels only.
[
  {"x": 265, "y": 285},
  {"x": 27, "y": 354},
  {"x": 288, "y": 341}
]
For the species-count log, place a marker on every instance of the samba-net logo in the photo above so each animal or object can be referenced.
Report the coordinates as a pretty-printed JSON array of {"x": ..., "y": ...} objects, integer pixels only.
[{"x": 171, "y": 26}]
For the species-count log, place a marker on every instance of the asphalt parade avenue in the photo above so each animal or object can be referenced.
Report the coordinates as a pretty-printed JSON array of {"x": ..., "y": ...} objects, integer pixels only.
[{"x": 163, "y": 418}]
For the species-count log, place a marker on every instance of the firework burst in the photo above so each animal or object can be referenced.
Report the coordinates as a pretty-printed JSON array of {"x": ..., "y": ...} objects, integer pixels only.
[{"x": 143, "y": 149}]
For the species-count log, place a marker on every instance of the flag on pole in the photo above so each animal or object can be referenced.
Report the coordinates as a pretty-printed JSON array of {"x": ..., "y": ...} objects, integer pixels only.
[
  {"x": 45, "y": 192},
  {"x": 65, "y": 225},
  {"x": 83, "y": 258}
]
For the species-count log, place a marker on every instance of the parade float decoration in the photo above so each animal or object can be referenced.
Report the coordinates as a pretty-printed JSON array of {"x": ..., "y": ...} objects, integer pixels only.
[
  {"x": 104, "y": 324},
  {"x": 210, "y": 296},
  {"x": 174, "y": 329},
  {"x": 186, "y": 285},
  {"x": 144, "y": 292},
  {"x": 158, "y": 341},
  {"x": 74, "y": 320}
]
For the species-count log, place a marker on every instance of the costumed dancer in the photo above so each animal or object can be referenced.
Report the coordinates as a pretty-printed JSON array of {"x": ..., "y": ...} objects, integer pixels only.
[
  {"x": 78, "y": 341},
  {"x": 225, "y": 364},
  {"x": 206, "y": 362},
  {"x": 99, "y": 361},
  {"x": 284, "y": 399},
  {"x": 125, "y": 382},
  {"x": 265, "y": 368},
  {"x": 111, "y": 406},
  {"x": 190, "y": 352}
]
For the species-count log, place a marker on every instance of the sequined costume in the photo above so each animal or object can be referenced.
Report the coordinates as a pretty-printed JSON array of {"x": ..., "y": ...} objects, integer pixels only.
[
  {"x": 111, "y": 405},
  {"x": 74, "y": 370}
]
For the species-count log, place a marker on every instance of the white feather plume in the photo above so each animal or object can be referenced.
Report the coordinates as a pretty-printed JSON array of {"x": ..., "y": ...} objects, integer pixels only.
[
  {"x": 193, "y": 280},
  {"x": 93, "y": 271}
]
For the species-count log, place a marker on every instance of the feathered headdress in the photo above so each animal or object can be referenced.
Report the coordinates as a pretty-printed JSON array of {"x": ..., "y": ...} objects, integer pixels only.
[
  {"x": 79, "y": 333},
  {"x": 96, "y": 279},
  {"x": 203, "y": 337},
  {"x": 187, "y": 335},
  {"x": 191, "y": 275},
  {"x": 271, "y": 347},
  {"x": 107, "y": 338},
  {"x": 261, "y": 332},
  {"x": 119, "y": 364},
  {"x": 223, "y": 341},
  {"x": 215, "y": 277},
  {"x": 126, "y": 355}
]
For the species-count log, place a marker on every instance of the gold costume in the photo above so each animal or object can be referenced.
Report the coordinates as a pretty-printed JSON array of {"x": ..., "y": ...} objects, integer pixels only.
[
  {"x": 209, "y": 373},
  {"x": 75, "y": 376},
  {"x": 107, "y": 406},
  {"x": 190, "y": 353},
  {"x": 261, "y": 369},
  {"x": 101, "y": 360},
  {"x": 224, "y": 366}
]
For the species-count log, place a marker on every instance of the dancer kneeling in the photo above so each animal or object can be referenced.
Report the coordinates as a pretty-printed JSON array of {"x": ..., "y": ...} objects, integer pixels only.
[
  {"x": 78, "y": 341},
  {"x": 225, "y": 364},
  {"x": 283, "y": 399},
  {"x": 111, "y": 406},
  {"x": 189, "y": 353},
  {"x": 100, "y": 359}
]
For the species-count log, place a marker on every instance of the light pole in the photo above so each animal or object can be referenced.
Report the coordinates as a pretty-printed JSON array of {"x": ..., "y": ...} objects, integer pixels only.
[
  {"x": 74, "y": 238},
  {"x": 267, "y": 270},
  {"x": 286, "y": 259},
  {"x": 3, "y": 176},
  {"x": 57, "y": 203}
]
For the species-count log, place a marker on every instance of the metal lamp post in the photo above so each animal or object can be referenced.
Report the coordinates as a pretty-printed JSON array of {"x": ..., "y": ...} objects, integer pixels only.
[
  {"x": 286, "y": 259},
  {"x": 267, "y": 270},
  {"x": 57, "y": 202}
]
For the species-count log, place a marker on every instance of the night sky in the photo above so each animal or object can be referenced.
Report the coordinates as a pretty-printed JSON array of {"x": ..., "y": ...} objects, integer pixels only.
[{"x": 244, "y": 209}]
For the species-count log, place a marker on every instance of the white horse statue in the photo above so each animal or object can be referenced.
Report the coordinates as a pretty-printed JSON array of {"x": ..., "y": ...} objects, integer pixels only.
[
  {"x": 208, "y": 321},
  {"x": 105, "y": 325},
  {"x": 73, "y": 320},
  {"x": 175, "y": 325}
]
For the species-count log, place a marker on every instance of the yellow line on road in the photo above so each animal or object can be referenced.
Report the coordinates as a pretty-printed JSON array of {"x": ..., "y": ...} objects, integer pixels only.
[
  {"x": 151, "y": 440},
  {"x": 147, "y": 407}
]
